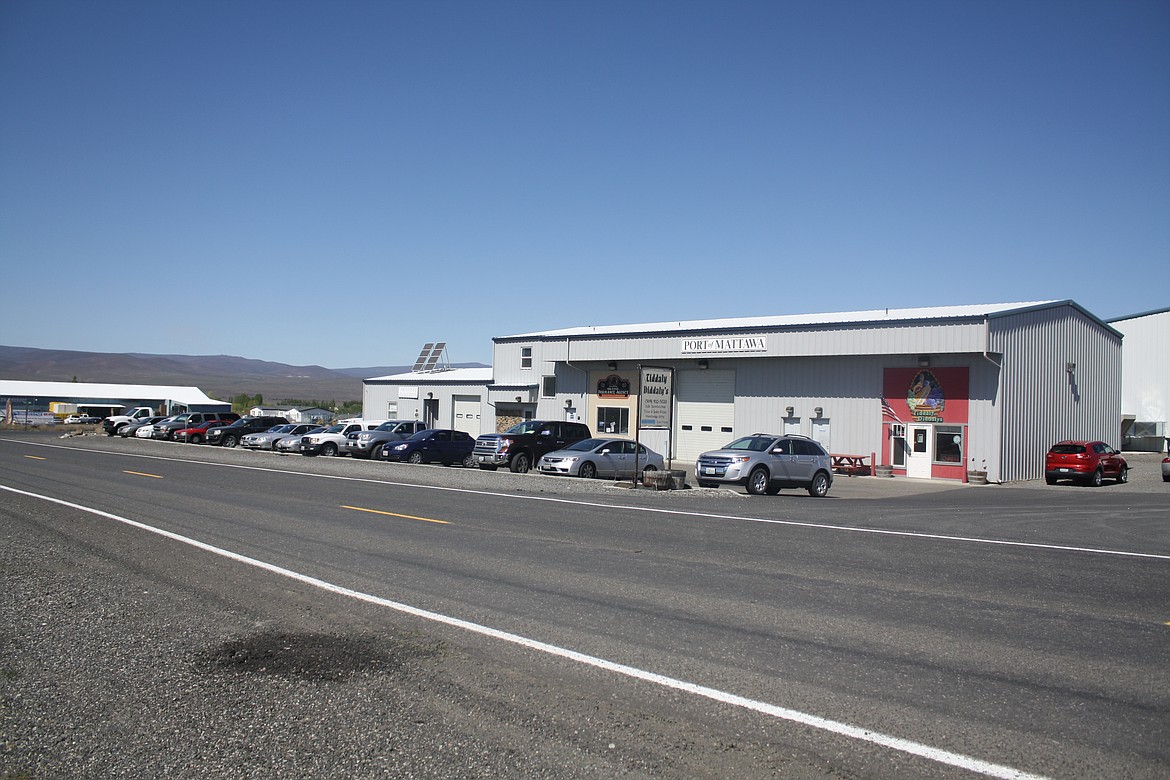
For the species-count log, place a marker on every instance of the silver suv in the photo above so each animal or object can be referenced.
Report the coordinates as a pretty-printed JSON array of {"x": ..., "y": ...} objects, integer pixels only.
[{"x": 767, "y": 463}]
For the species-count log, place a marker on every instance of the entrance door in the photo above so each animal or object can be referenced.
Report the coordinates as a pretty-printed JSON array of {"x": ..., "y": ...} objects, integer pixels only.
[{"x": 919, "y": 453}]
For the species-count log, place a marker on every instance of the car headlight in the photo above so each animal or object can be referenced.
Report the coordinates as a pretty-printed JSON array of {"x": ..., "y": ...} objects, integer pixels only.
[
  {"x": 401, "y": 446},
  {"x": 741, "y": 459}
]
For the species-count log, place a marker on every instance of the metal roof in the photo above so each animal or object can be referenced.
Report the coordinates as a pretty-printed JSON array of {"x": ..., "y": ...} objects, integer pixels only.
[
  {"x": 439, "y": 377},
  {"x": 189, "y": 396},
  {"x": 794, "y": 320}
]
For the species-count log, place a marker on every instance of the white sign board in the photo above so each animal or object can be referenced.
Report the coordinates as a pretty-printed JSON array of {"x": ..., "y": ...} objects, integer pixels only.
[{"x": 655, "y": 398}]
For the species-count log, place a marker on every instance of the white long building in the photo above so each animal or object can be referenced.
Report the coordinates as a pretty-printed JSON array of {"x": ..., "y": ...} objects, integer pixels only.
[
  {"x": 933, "y": 392},
  {"x": 105, "y": 398}
]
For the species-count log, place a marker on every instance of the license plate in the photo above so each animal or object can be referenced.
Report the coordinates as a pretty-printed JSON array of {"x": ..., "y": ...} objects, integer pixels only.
[
  {"x": 1064, "y": 470},
  {"x": 709, "y": 470}
]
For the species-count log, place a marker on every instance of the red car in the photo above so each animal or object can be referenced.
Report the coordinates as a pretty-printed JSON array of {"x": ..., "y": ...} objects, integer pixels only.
[
  {"x": 1084, "y": 461},
  {"x": 196, "y": 434}
]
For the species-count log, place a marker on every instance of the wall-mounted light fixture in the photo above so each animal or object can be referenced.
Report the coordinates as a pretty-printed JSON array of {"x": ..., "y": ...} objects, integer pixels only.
[
  {"x": 1070, "y": 367},
  {"x": 568, "y": 403},
  {"x": 789, "y": 411},
  {"x": 818, "y": 412},
  {"x": 924, "y": 361},
  {"x": 519, "y": 399},
  {"x": 612, "y": 366},
  {"x": 703, "y": 364},
  {"x": 430, "y": 395}
]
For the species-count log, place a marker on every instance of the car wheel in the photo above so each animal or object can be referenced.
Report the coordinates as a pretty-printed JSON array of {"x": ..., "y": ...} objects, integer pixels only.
[
  {"x": 195, "y": 439},
  {"x": 1123, "y": 475},
  {"x": 1050, "y": 480},
  {"x": 587, "y": 471},
  {"x": 1095, "y": 478},
  {"x": 520, "y": 463},
  {"x": 1166, "y": 477},
  {"x": 376, "y": 453},
  {"x": 469, "y": 461},
  {"x": 819, "y": 486},
  {"x": 230, "y": 441},
  {"x": 757, "y": 481},
  {"x": 415, "y": 458},
  {"x": 772, "y": 490}
]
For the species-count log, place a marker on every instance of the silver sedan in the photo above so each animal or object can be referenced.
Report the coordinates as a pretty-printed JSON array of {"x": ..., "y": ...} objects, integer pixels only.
[
  {"x": 591, "y": 458},
  {"x": 291, "y": 442},
  {"x": 266, "y": 440}
]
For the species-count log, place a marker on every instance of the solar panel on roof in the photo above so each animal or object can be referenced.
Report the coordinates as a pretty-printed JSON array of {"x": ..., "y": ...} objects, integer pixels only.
[
  {"x": 436, "y": 353},
  {"x": 423, "y": 355}
]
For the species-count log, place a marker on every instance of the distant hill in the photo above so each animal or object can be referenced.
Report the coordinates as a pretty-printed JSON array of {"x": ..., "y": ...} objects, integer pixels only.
[{"x": 220, "y": 376}]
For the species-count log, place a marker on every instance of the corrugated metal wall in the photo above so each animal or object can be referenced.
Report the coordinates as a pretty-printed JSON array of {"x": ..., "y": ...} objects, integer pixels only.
[
  {"x": 1145, "y": 391},
  {"x": 1042, "y": 402}
]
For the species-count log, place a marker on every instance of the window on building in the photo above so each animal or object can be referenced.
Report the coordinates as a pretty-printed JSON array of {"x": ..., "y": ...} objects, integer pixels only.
[
  {"x": 548, "y": 387},
  {"x": 525, "y": 357},
  {"x": 948, "y": 444},
  {"x": 392, "y": 410},
  {"x": 613, "y": 419}
]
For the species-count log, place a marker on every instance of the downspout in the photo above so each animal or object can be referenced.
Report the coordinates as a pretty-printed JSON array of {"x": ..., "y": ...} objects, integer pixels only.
[{"x": 998, "y": 409}]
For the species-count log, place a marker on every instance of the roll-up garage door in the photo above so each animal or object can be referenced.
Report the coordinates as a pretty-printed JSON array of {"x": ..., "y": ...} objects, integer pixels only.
[
  {"x": 705, "y": 412},
  {"x": 467, "y": 414}
]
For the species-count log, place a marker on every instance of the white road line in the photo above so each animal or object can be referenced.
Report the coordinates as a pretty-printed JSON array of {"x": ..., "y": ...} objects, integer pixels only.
[
  {"x": 627, "y": 507},
  {"x": 783, "y": 713}
]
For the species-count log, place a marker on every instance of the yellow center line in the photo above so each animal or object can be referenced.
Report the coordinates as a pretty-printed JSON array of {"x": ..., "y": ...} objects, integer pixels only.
[
  {"x": 142, "y": 474},
  {"x": 395, "y": 514},
  {"x": 34, "y": 457}
]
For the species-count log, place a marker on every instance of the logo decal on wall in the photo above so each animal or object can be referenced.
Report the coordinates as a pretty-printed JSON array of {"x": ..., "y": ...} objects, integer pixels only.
[{"x": 925, "y": 398}]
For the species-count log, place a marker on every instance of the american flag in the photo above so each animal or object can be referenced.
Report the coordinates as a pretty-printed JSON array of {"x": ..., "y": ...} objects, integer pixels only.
[{"x": 888, "y": 411}]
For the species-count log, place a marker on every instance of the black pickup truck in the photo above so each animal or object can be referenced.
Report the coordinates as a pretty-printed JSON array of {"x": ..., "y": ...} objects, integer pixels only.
[{"x": 523, "y": 444}]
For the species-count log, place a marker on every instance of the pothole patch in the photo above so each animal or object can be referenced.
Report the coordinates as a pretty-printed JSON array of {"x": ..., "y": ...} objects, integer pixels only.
[{"x": 312, "y": 656}]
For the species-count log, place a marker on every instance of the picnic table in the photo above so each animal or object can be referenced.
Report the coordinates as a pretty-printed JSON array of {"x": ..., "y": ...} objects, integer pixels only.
[{"x": 850, "y": 464}]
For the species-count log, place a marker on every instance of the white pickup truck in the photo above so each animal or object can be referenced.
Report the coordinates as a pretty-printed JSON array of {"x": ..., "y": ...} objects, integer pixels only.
[
  {"x": 117, "y": 421},
  {"x": 331, "y": 441}
]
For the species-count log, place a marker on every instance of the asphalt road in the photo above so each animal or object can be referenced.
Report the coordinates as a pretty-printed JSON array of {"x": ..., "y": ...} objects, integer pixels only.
[{"x": 330, "y": 618}]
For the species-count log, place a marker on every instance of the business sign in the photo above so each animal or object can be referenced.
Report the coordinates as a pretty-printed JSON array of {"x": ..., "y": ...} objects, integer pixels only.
[
  {"x": 613, "y": 386},
  {"x": 655, "y": 398},
  {"x": 724, "y": 345}
]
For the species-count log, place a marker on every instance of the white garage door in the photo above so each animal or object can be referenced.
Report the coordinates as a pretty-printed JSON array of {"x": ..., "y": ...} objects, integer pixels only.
[
  {"x": 467, "y": 414},
  {"x": 705, "y": 412}
]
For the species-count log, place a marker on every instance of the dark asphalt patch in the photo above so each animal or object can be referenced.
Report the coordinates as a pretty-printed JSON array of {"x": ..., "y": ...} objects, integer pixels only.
[{"x": 312, "y": 656}]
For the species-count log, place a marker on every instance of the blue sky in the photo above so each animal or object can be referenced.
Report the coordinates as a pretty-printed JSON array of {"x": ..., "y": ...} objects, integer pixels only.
[{"x": 171, "y": 173}]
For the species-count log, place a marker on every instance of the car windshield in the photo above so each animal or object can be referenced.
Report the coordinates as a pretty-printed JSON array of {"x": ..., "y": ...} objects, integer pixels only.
[
  {"x": 528, "y": 426},
  {"x": 388, "y": 426},
  {"x": 338, "y": 428},
  {"x": 753, "y": 443},
  {"x": 1067, "y": 449},
  {"x": 281, "y": 429},
  {"x": 585, "y": 445}
]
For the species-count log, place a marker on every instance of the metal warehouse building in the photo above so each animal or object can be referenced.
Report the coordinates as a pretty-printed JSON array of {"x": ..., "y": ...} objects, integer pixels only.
[
  {"x": 443, "y": 398},
  {"x": 933, "y": 392}
]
